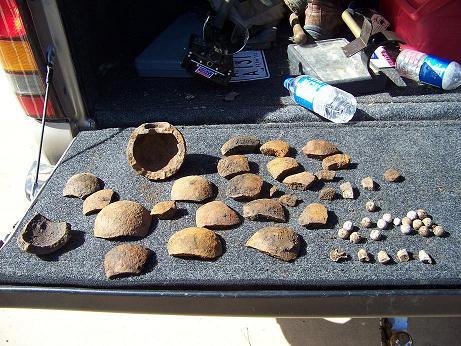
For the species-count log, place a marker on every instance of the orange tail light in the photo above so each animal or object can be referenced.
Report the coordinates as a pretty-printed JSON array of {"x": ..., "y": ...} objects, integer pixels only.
[{"x": 18, "y": 61}]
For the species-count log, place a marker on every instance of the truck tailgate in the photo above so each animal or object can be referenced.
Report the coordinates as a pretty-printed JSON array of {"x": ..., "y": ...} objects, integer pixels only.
[{"x": 428, "y": 153}]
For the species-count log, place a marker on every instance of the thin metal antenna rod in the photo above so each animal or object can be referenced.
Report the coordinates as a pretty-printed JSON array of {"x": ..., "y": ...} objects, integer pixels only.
[{"x": 49, "y": 75}]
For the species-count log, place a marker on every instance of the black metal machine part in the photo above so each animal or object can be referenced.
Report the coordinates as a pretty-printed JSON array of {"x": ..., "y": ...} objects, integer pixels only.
[
  {"x": 275, "y": 303},
  {"x": 211, "y": 56},
  {"x": 202, "y": 60}
]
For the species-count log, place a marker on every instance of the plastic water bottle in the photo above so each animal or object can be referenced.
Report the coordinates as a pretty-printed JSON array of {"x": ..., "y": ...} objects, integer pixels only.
[
  {"x": 429, "y": 69},
  {"x": 327, "y": 101}
]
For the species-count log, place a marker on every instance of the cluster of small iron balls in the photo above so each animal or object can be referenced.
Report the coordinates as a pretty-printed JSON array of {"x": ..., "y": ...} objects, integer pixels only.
[{"x": 415, "y": 221}]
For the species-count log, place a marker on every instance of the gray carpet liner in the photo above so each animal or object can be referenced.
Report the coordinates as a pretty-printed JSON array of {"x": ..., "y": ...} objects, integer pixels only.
[
  {"x": 155, "y": 99},
  {"x": 427, "y": 153}
]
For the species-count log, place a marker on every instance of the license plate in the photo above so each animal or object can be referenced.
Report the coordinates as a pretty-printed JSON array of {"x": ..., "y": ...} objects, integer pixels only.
[{"x": 250, "y": 65}]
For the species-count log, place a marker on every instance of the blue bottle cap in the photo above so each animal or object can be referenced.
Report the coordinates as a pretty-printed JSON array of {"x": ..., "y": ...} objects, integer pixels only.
[{"x": 289, "y": 83}]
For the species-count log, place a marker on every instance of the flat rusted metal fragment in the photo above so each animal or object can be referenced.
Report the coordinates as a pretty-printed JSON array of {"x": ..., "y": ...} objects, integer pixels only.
[
  {"x": 193, "y": 188},
  {"x": 81, "y": 185},
  {"x": 97, "y": 201},
  {"x": 278, "y": 242},
  {"x": 217, "y": 215},
  {"x": 164, "y": 210},
  {"x": 195, "y": 242},
  {"x": 264, "y": 210},
  {"x": 126, "y": 260},
  {"x": 240, "y": 145},
  {"x": 41, "y": 236},
  {"x": 244, "y": 187}
]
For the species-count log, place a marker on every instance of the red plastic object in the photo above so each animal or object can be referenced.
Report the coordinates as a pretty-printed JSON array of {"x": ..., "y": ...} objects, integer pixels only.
[
  {"x": 429, "y": 26},
  {"x": 33, "y": 106},
  {"x": 10, "y": 20}
]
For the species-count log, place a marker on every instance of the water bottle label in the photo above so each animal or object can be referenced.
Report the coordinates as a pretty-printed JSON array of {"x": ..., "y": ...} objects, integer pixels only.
[
  {"x": 305, "y": 90},
  {"x": 432, "y": 70}
]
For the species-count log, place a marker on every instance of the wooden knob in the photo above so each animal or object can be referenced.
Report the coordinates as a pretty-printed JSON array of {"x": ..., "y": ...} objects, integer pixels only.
[
  {"x": 299, "y": 36},
  {"x": 351, "y": 23}
]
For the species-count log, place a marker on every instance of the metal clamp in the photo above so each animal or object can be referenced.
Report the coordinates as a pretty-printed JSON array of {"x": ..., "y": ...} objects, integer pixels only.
[{"x": 372, "y": 35}]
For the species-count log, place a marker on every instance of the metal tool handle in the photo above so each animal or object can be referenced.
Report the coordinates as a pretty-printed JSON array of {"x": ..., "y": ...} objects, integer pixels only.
[{"x": 351, "y": 23}]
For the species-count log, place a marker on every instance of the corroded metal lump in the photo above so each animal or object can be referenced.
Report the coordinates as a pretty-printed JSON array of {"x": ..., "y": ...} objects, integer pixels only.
[
  {"x": 193, "y": 188},
  {"x": 164, "y": 210},
  {"x": 41, "y": 236},
  {"x": 325, "y": 175},
  {"x": 278, "y": 242},
  {"x": 240, "y": 145},
  {"x": 281, "y": 167},
  {"x": 314, "y": 215},
  {"x": 392, "y": 175},
  {"x": 230, "y": 166},
  {"x": 81, "y": 185},
  {"x": 327, "y": 193},
  {"x": 319, "y": 149},
  {"x": 264, "y": 210},
  {"x": 300, "y": 181},
  {"x": 277, "y": 148},
  {"x": 216, "y": 214},
  {"x": 156, "y": 150},
  {"x": 126, "y": 260},
  {"x": 97, "y": 201},
  {"x": 245, "y": 186},
  {"x": 195, "y": 242},
  {"x": 122, "y": 219},
  {"x": 289, "y": 200},
  {"x": 335, "y": 162},
  {"x": 337, "y": 255}
]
